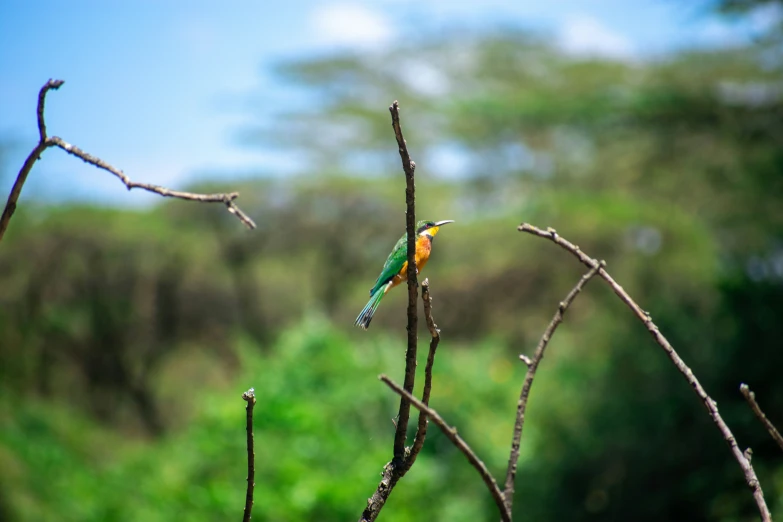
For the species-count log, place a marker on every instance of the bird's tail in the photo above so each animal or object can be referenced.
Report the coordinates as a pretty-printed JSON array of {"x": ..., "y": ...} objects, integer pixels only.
[{"x": 364, "y": 318}]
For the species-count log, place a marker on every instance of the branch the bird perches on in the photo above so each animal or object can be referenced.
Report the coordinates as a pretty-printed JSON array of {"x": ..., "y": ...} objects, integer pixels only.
[{"x": 402, "y": 460}]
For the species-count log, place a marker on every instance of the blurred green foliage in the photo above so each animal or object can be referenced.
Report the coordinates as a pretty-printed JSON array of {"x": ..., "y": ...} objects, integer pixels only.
[
  {"x": 323, "y": 423},
  {"x": 128, "y": 337}
]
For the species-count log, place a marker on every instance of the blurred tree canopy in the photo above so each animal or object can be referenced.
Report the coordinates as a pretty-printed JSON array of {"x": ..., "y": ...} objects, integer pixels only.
[{"x": 127, "y": 337}]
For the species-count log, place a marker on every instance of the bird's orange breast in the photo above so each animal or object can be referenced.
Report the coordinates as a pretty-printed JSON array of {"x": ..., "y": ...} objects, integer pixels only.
[{"x": 423, "y": 249}]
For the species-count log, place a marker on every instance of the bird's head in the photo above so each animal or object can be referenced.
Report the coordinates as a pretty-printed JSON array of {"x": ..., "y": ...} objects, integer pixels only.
[{"x": 430, "y": 228}]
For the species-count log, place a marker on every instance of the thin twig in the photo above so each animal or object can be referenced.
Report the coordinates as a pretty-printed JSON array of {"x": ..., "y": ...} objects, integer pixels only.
[
  {"x": 16, "y": 190},
  {"x": 751, "y": 398},
  {"x": 249, "y": 397},
  {"x": 712, "y": 408},
  {"x": 46, "y": 142},
  {"x": 410, "y": 225},
  {"x": 532, "y": 366},
  {"x": 51, "y": 84},
  {"x": 421, "y": 430},
  {"x": 451, "y": 434},
  {"x": 226, "y": 198}
]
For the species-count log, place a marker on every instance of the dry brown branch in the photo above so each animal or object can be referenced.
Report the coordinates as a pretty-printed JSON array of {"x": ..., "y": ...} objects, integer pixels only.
[
  {"x": 451, "y": 434},
  {"x": 410, "y": 226},
  {"x": 712, "y": 408},
  {"x": 45, "y": 142},
  {"x": 394, "y": 470},
  {"x": 16, "y": 190},
  {"x": 751, "y": 398},
  {"x": 421, "y": 430},
  {"x": 532, "y": 366},
  {"x": 375, "y": 503},
  {"x": 250, "y": 397}
]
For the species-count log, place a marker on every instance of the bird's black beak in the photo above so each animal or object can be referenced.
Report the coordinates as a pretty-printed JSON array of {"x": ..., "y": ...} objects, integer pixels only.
[{"x": 444, "y": 222}]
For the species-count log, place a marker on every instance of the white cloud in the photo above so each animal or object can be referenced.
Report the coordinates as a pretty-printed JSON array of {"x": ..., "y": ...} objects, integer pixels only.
[
  {"x": 424, "y": 78},
  {"x": 722, "y": 32},
  {"x": 584, "y": 35},
  {"x": 765, "y": 17},
  {"x": 350, "y": 25},
  {"x": 718, "y": 32},
  {"x": 449, "y": 160}
]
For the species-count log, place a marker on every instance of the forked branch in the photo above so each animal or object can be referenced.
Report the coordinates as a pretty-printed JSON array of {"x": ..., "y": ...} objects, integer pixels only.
[
  {"x": 45, "y": 142},
  {"x": 712, "y": 408},
  {"x": 451, "y": 434},
  {"x": 532, "y": 366}
]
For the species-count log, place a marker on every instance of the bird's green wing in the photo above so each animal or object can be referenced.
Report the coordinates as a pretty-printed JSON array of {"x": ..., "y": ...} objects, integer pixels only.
[{"x": 393, "y": 264}]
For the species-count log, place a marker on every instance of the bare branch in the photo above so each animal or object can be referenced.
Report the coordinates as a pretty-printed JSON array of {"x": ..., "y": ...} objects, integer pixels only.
[
  {"x": 712, "y": 408},
  {"x": 250, "y": 397},
  {"x": 751, "y": 398},
  {"x": 532, "y": 366},
  {"x": 375, "y": 503},
  {"x": 421, "y": 430},
  {"x": 451, "y": 434},
  {"x": 16, "y": 190},
  {"x": 51, "y": 84},
  {"x": 427, "y": 300},
  {"x": 46, "y": 142},
  {"x": 410, "y": 225},
  {"x": 227, "y": 199},
  {"x": 396, "y": 469}
]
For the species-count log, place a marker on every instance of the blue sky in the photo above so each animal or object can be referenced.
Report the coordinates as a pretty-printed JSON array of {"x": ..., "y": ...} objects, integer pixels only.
[{"x": 160, "y": 89}]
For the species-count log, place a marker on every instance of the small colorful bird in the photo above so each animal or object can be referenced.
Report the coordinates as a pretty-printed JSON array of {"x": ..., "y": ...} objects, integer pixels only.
[{"x": 395, "y": 270}]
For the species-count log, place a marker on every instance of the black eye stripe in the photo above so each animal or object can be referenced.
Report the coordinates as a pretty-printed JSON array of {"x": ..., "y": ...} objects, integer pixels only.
[{"x": 424, "y": 227}]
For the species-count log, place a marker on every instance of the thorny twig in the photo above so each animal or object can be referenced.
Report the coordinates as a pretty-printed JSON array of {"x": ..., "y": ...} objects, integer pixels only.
[
  {"x": 712, "y": 408},
  {"x": 532, "y": 366}
]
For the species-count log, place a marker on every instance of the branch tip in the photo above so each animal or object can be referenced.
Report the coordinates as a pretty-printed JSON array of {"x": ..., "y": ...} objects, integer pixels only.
[
  {"x": 249, "y": 395},
  {"x": 51, "y": 84},
  {"x": 750, "y": 397}
]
